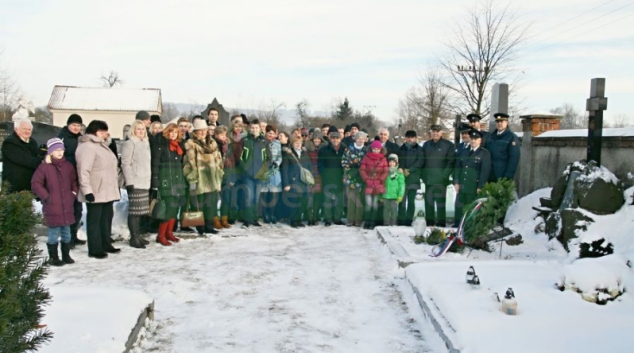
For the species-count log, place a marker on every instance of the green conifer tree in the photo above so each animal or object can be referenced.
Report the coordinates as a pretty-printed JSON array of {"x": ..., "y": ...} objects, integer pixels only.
[{"x": 22, "y": 295}]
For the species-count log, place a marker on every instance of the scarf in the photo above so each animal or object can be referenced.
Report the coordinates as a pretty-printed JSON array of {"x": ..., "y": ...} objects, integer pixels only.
[
  {"x": 392, "y": 171},
  {"x": 358, "y": 147},
  {"x": 175, "y": 146}
]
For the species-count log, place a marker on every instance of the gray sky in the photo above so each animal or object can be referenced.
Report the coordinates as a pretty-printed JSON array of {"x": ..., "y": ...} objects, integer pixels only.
[{"x": 248, "y": 53}]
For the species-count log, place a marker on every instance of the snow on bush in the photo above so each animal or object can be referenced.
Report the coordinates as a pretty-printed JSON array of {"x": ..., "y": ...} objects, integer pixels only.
[{"x": 598, "y": 280}]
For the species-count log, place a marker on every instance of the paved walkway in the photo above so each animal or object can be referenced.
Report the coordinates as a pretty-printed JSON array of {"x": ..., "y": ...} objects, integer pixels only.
[{"x": 311, "y": 290}]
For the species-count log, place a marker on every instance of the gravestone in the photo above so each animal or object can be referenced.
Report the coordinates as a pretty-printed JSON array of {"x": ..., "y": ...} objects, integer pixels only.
[{"x": 499, "y": 102}]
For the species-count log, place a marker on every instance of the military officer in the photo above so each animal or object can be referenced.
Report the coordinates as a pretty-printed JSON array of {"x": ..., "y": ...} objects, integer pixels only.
[
  {"x": 473, "y": 167},
  {"x": 474, "y": 120},
  {"x": 464, "y": 129},
  {"x": 504, "y": 147}
]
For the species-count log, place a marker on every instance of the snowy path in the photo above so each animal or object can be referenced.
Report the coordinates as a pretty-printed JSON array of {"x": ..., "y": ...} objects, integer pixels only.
[{"x": 313, "y": 290}]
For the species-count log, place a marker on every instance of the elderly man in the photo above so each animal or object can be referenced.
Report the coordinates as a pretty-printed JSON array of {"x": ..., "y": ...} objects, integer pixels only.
[
  {"x": 21, "y": 156},
  {"x": 331, "y": 171},
  {"x": 389, "y": 146},
  {"x": 504, "y": 147},
  {"x": 439, "y": 159}
]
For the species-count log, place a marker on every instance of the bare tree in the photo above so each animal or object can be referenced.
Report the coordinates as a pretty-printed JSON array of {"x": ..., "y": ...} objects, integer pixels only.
[
  {"x": 620, "y": 120},
  {"x": 271, "y": 112},
  {"x": 482, "y": 50},
  {"x": 9, "y": 92},
  {"x": 572, "y": 118},
  {"x": 301, "y": 109},
  {"x": 111, "y": 80}
]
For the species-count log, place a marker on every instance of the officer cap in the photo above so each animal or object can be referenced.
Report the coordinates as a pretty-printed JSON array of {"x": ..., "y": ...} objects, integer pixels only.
[
  {"x": 474, "y": 117},
  {"x": 475, "y": 134},
  {"x": 436, "y": 127},
  {"x": 501, "y": 116},
  {"x": 464, "y": 128}
]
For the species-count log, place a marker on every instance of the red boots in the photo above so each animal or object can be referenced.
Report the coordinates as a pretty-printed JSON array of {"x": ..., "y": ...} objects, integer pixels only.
[
  {"x": 170, "y": 231},
  {"x": 162, "y": 233}
]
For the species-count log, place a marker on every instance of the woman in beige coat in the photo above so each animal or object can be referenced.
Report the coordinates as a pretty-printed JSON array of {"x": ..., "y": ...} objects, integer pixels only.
[
  {"x": 203, "y": 171},
  {"x": 136, "y": 165},
  {"x": 98, "y": 187}
]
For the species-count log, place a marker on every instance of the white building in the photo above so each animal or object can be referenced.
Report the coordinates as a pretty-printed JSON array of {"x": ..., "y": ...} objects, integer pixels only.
[{"x": 115, "y": 106}]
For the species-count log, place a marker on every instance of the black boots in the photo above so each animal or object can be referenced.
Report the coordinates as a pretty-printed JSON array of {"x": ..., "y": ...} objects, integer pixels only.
[
  {"x": 73, "y": 235},
  {"x": 66, "y": 253},
  {"x": 53, "y": 257},
  {"x": 368, "y": 220},
  {"x": 134, "y": 224}
]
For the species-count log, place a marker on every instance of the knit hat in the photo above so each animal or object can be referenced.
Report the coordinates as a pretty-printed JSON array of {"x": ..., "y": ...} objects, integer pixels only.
[
  {"x": 332, "y": 129},
  {"x": 376, "y": 144},
  {"x": 392, "y": 157},
  {"x": 410, "y": 133},
  {"x": 54, "y": 144},
  {"x": 142, "y": 115},
  {"x": 346, "y": 129},
  {"x": 74, "y": 119},
  {"x": 355, "y": 125},
  {"x": 317, "y": 134},
  {"x": 155, "y": 118}
]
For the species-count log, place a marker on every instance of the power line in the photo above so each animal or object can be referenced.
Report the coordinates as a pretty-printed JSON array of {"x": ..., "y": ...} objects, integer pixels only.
[
  {"x": 572, "y": 19},
  {"x": 585, "y": 23}
]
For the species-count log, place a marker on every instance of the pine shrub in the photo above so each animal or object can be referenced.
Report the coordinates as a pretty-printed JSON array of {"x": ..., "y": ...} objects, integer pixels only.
[
  {"x": 22, "y": 295},
  {"x": 500, "y": 195}
]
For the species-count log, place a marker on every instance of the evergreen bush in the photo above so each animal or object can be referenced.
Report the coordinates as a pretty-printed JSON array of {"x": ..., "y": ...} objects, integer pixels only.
[
  {"x": 500, "y": 195},
  {"x": 22, "y": 295}
]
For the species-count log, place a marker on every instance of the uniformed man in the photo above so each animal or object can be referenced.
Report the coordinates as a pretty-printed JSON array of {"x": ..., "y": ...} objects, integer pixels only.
[
  {"x": 464, "y": 129},
  {"x": 473, "y": 167},
  {"x": 410, "y": 156},
  {"x": 438, "y": 164},
  {"x": 474, "y": 120},
  {"x": 504, "y": 147}
]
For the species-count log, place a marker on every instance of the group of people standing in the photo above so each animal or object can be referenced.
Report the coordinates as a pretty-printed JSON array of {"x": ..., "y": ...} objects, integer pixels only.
[{"x": 245, "y": 172}]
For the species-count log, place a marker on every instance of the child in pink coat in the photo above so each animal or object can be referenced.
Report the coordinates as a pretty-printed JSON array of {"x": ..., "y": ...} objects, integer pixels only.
[{"x": 373, "y": 172}]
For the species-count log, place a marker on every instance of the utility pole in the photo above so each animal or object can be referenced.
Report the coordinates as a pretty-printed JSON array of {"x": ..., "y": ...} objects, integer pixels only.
[{"x": 474, "y": 71}]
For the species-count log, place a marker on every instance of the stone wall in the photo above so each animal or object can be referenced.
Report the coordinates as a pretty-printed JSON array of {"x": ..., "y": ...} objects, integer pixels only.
[{"x": 543, "y": 159}]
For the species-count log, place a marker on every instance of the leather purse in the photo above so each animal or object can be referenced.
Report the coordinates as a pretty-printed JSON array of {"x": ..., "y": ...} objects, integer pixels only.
[{"x": 192, "y": 218}]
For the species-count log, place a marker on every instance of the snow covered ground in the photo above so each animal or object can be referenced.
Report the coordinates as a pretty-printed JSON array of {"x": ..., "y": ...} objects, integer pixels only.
[{"x": 277, "y": 290}]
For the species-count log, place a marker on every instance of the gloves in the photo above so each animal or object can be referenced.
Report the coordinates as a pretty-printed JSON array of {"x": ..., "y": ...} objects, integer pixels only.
[
  {"x": 192, "y": 187},
  {"x": 380, "y": 198},
  {"x": 154, "y": 194},
  {"x": 399, "y": 199},
  {"x": 129, "y": 188},
  {"x": 406, "y": 172},
  {"x": 90, "y": 198}
]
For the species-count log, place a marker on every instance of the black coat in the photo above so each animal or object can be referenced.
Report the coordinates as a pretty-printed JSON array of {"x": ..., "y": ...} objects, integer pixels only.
[
  {"x": 20, "y": 160},
  {"x": 472, "y": 170},
  {"x": 390, "y": 148},
  {"x": 291, "y": 171},
  {"x": 411, "y": 158},
  {"x": 167, "y": 169},
  {"x": 439, "y": 160},
  {"x": 70, "y": 144},
  {"x": 505, "y": 154},
  {"x": 330, "y": 168}
]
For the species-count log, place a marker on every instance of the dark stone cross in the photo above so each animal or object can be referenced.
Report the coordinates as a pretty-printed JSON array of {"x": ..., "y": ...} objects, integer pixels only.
[
  {"x": 456, "y": 138},
  {"x": 595, "y": 106}
]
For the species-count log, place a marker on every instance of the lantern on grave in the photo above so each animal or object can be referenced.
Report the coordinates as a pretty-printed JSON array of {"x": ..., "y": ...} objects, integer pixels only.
[
  {"x": 476, "y": 282},
  {"x": 509, "y": 303},
  {"x": 470, "y": 275}
]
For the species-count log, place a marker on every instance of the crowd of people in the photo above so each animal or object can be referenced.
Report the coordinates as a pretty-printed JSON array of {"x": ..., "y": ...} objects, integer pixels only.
[{"x": 246, "y": 172}]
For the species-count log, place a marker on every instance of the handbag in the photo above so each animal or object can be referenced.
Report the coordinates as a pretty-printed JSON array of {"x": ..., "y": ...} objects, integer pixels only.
[
  {"x": 304, "y": 174},
  {"x": 192, "y": 219},
  {"x": 158, "y": 208}
]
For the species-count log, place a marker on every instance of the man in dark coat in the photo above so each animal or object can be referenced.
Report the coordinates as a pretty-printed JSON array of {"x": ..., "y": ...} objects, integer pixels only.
[
  {"x": 504, "y": 147},
  {"x": 474, "y": 120},
  {"x": 354, "y": 128},
  {"x": 410, "y": 157},
  {"x": 70, "y": 134},
  {"x": 437, "y": 168},
  {"x": 331, "y": 171},
  {"x": 20, "y": 156},
  {"x": 473, "y": 167}
]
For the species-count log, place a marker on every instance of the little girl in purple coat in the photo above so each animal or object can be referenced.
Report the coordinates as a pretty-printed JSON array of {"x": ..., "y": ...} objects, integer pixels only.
[{"x": 55, "y": 183}]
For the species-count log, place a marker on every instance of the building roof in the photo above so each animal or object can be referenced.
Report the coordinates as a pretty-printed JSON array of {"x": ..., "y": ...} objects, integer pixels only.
[{"x": 108, "y": 99}]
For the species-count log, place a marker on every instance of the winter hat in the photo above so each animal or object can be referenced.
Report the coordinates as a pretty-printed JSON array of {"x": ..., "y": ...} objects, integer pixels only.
[
  {"x": 410, "y": 133},
  {"x": 155, "y": 118},
  {"x": 393, "y": 157},
  {"x": 360, "y": 134},
  {"x": 54, "y": 144},
  {"x": 74, "y": 119},
  {"x": 200, "y": 125},
  {"x": 346, "y": 129},
  {"x": 245, "y": 121},
  {"x": 142, "y": 115},
  {"x": 332, "y": 129},
  {"x": 376, "y": 144},
  {"x": 317, "y": 134},
  {"x": 355, "y": 125}
]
